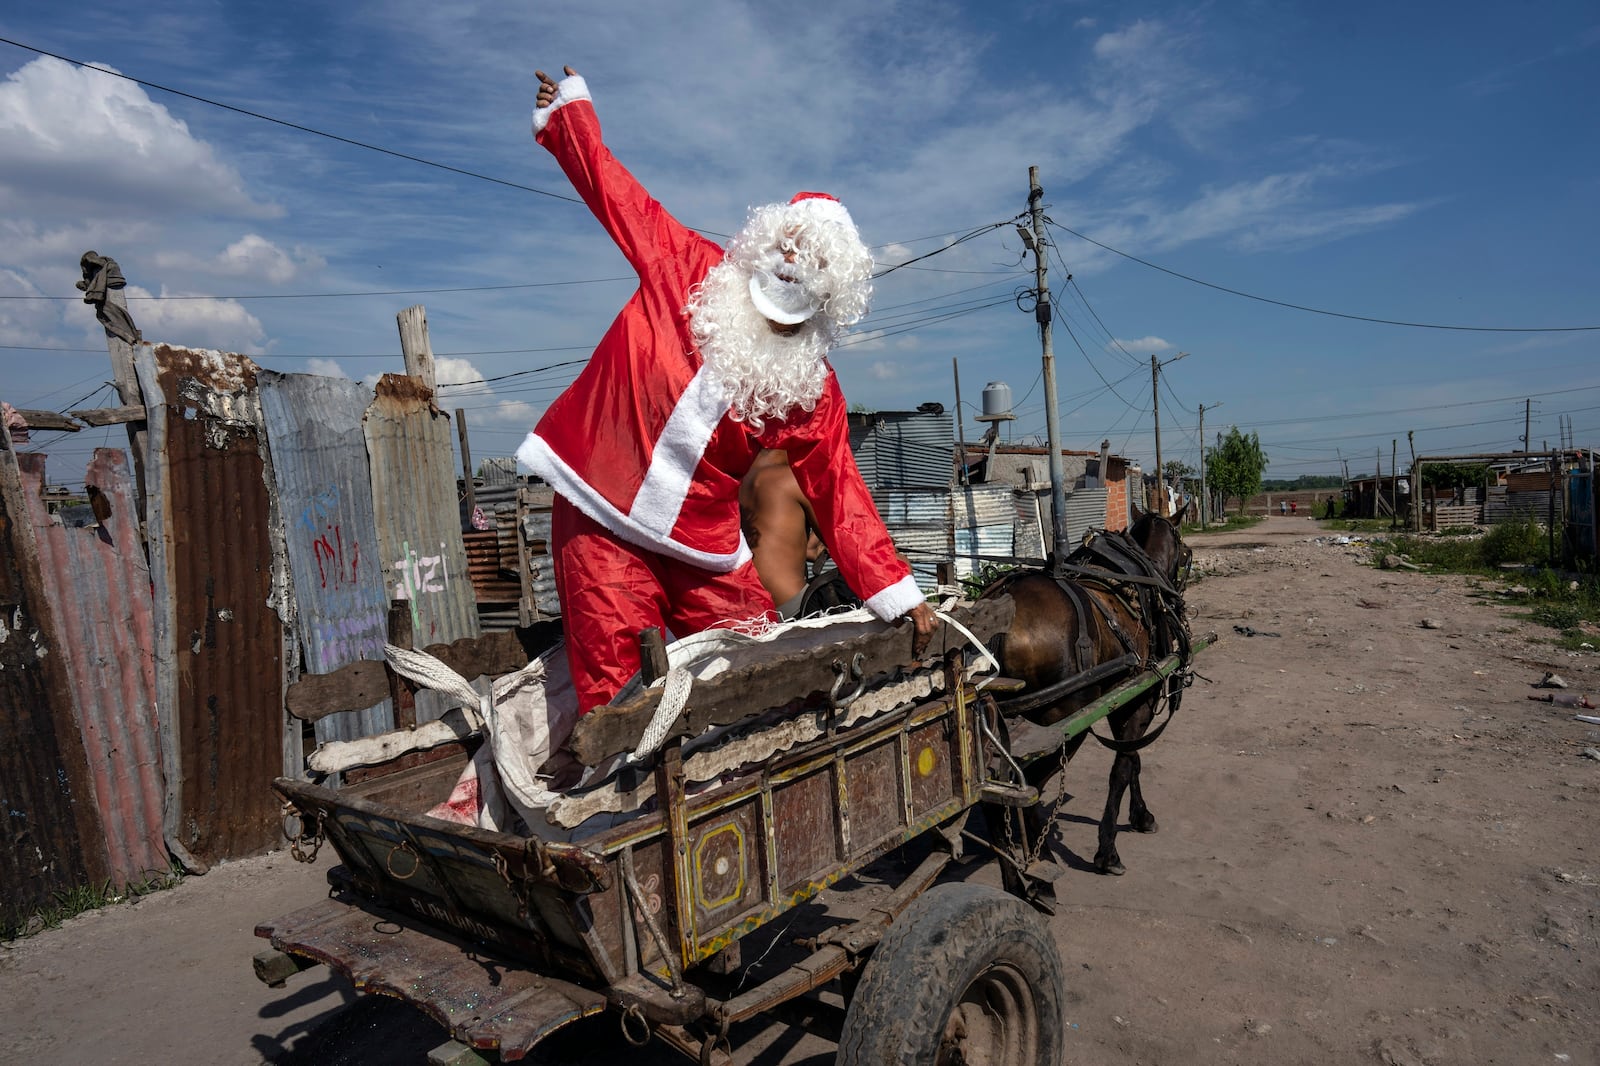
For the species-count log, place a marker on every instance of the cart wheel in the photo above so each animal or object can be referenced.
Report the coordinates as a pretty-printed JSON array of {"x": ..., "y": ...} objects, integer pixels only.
[{"x": 967, "y": 974}]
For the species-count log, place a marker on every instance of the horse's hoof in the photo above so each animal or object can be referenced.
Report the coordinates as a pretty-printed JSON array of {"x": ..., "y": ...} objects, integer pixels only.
[
  {"x": 1114, "y": 868},
  {"x": 1147, "y": 824}
]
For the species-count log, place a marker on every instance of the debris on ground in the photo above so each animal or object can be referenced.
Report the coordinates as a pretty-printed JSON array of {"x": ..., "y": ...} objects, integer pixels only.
[
  {"x": 1250, "y": 631},
  {"x": 1395, "y": 562},
  {"x": 1550, "y": 680},
  {"x": 1567, "y": 699}
]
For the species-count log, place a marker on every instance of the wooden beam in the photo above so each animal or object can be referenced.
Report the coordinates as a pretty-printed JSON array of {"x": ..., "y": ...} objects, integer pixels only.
[
  {"x": 749, "y": 690},
  {"x": 48, "y": 420},
  {"x": 364, "y": 683},
  {"x": 110, "y": 416}
]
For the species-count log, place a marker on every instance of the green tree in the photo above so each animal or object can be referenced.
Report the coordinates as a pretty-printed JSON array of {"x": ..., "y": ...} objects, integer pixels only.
[
  {"x": 1233, "y": 468},
  {"x": 1176, "y": 470}
]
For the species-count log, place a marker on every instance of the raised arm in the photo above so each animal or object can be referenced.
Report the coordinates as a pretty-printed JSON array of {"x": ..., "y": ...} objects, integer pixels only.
[{"x": 565, "y": 123}]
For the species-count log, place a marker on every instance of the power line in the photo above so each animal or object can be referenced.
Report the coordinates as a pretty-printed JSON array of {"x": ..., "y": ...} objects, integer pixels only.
[
  {"x": 1318, "y": 310},
  {"x": 326, "y": 295},
  {"x": 513, "y": 374},
  {"x": 291, "y": 125},
  {"x": 980, "y": 231}
]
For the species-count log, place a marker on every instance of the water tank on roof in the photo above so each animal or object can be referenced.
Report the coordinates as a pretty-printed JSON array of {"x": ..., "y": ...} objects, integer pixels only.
[{"x": 996, "y": 399}]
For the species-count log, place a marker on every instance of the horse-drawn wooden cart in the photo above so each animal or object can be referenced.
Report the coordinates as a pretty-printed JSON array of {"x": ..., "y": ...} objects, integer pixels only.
[{"x": 503, "y": 939}]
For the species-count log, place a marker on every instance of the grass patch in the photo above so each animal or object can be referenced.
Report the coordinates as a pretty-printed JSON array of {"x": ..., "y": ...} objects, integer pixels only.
[
  {"x": 1357, "y": 525},
  {"x": 70, "y": 902},
  {"x": 1553, "y": 600}
]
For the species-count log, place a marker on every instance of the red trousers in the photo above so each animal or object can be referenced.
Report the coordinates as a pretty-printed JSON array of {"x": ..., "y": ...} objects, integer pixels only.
[{"x": 611, "y": 589}]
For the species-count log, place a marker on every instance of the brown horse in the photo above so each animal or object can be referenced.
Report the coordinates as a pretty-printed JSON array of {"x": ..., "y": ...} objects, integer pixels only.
[{"x": 1115, "y": 608}]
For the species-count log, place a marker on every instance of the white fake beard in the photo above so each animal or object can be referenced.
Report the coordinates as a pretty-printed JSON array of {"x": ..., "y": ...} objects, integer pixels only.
[{"x": 764, "y": 375}]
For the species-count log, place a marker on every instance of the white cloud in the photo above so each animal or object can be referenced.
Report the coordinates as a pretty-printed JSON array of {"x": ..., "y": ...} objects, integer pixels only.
[
  {"x": 1140, "y": 345},
  {"x": 254, "y": 256},
  {"x": 467, "y": 379},
  {"x": 250, "y": 258},
  {"x": 97, "y": 143},
  {"x": 328, "y": 368},
  {"x": 202, "y": 323}
]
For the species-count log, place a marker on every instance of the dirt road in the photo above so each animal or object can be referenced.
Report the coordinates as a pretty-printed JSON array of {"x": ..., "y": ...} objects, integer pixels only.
[{"x": 1373, "y": 848}]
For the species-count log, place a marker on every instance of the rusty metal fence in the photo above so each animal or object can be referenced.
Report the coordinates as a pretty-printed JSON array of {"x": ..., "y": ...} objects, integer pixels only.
[{"x": 143, "y": 665}]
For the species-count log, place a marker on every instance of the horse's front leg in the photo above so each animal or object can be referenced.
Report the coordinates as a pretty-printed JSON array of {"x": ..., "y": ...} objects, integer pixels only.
[{"x": 1106, "y": 859}]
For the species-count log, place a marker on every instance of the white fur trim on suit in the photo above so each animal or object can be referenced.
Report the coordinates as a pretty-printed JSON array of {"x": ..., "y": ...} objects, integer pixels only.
[
  {"x": 568, "y": 90},
  {"x": 897, "y": 599},
  {"x": 538, "y": 457},
  {"x": 677, "y": 453}
]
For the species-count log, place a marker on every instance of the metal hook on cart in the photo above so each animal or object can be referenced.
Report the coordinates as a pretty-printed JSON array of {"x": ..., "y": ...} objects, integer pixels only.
[
  {"x": 854, "y": 674},
  {"x": 633, "y": 1012},
  {"x": 716, "y": 1040},
  {"x": 416, "y": 861}
]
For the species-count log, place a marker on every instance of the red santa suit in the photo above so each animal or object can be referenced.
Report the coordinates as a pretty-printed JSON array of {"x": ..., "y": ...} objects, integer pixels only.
[{"x": 647, "y": 459}]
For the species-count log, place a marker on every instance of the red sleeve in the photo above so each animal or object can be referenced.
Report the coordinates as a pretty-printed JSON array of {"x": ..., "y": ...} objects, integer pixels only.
[
  {"x": 848, "y": 521},
  {"x": 642, "y": 228}
]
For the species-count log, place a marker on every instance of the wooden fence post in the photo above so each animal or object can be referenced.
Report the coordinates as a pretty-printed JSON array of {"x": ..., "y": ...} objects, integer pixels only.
[
  {"x": 414, "y": 344},
  {"x": 102, "y": 285}
]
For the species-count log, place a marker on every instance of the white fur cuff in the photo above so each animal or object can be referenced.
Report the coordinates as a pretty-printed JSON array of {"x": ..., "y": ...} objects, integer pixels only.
[
  {"x": 897, "y": 599},
  {"x": 569, "y": 90}
]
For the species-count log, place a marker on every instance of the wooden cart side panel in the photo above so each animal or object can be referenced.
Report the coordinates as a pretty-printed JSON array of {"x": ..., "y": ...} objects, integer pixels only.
[
  {"x": 874, "y": 785},
  {"x": 803, "y": 813}
]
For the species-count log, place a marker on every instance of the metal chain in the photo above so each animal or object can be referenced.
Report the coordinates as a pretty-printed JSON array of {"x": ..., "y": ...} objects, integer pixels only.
[
  {"x": 303, "y": 846},
  {"x": 518, "y": 892}
]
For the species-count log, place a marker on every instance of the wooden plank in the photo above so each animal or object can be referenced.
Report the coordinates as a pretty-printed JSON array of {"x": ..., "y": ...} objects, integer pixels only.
[
  {"x": 336, "y": 756},
  {"x": 734, "y": 695},
  {"x": 48, "y": 420},
  {"x": 363, "y": 683},
  {"x": 110, "y": 416}
]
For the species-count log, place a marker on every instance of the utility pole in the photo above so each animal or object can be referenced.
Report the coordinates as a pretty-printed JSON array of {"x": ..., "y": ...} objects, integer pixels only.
[
  {"x": 1394, "y": 482},
  {"x": 1155, "y": 406},
  {"x": 1527, "y": 424},
  {"x": 1205, "y": 497},
  {"x": 1037, "y": 243}
]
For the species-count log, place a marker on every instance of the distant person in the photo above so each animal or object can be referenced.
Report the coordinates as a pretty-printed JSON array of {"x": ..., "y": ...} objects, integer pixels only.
[
  {"x": 1294, "y": 506},
  {"x": 1283, "y": 508},
  {"x": 1328, "y": 513}
]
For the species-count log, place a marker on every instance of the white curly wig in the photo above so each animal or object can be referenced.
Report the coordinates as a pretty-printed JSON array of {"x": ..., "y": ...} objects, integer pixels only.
[{"x": 766, "y": 374}]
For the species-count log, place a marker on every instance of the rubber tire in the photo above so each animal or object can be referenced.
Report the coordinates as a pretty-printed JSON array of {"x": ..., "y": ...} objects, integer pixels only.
[{"x": 952, "y": 937}]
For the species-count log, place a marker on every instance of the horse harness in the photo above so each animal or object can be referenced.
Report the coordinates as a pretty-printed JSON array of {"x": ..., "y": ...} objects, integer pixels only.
[{"x": 1115, "y": 563}]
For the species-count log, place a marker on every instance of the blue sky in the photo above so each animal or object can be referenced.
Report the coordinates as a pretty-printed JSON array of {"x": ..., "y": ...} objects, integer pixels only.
[{"x": 1428, "y": 163}]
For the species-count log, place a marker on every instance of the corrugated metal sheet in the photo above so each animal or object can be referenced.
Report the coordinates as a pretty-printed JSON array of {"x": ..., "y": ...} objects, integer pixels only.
[
  {"x": 219, "y": 643},
  {"x": 1028, "y": 528},
  {"x": 319, "y": 464},
  {"x": 1086, "y": 510},
  {"x": 541, "y": 567},
  {"x": 904, "y": 449},
  {"x": 983, "y": 520},
  {"x": 1500, "y": 505},
  {"x": 424, "y": 560},
  {"x": 901, "y": 507},
  {"x": 98, "y": 584},
  {"x": 982, "y": 505},
  {"x": 52, "y": 840},
  {"x": 499, "y": 471}
]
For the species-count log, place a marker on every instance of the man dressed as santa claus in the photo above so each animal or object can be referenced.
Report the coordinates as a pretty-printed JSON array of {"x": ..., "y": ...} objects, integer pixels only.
[{"x": 718, "y": 355}]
